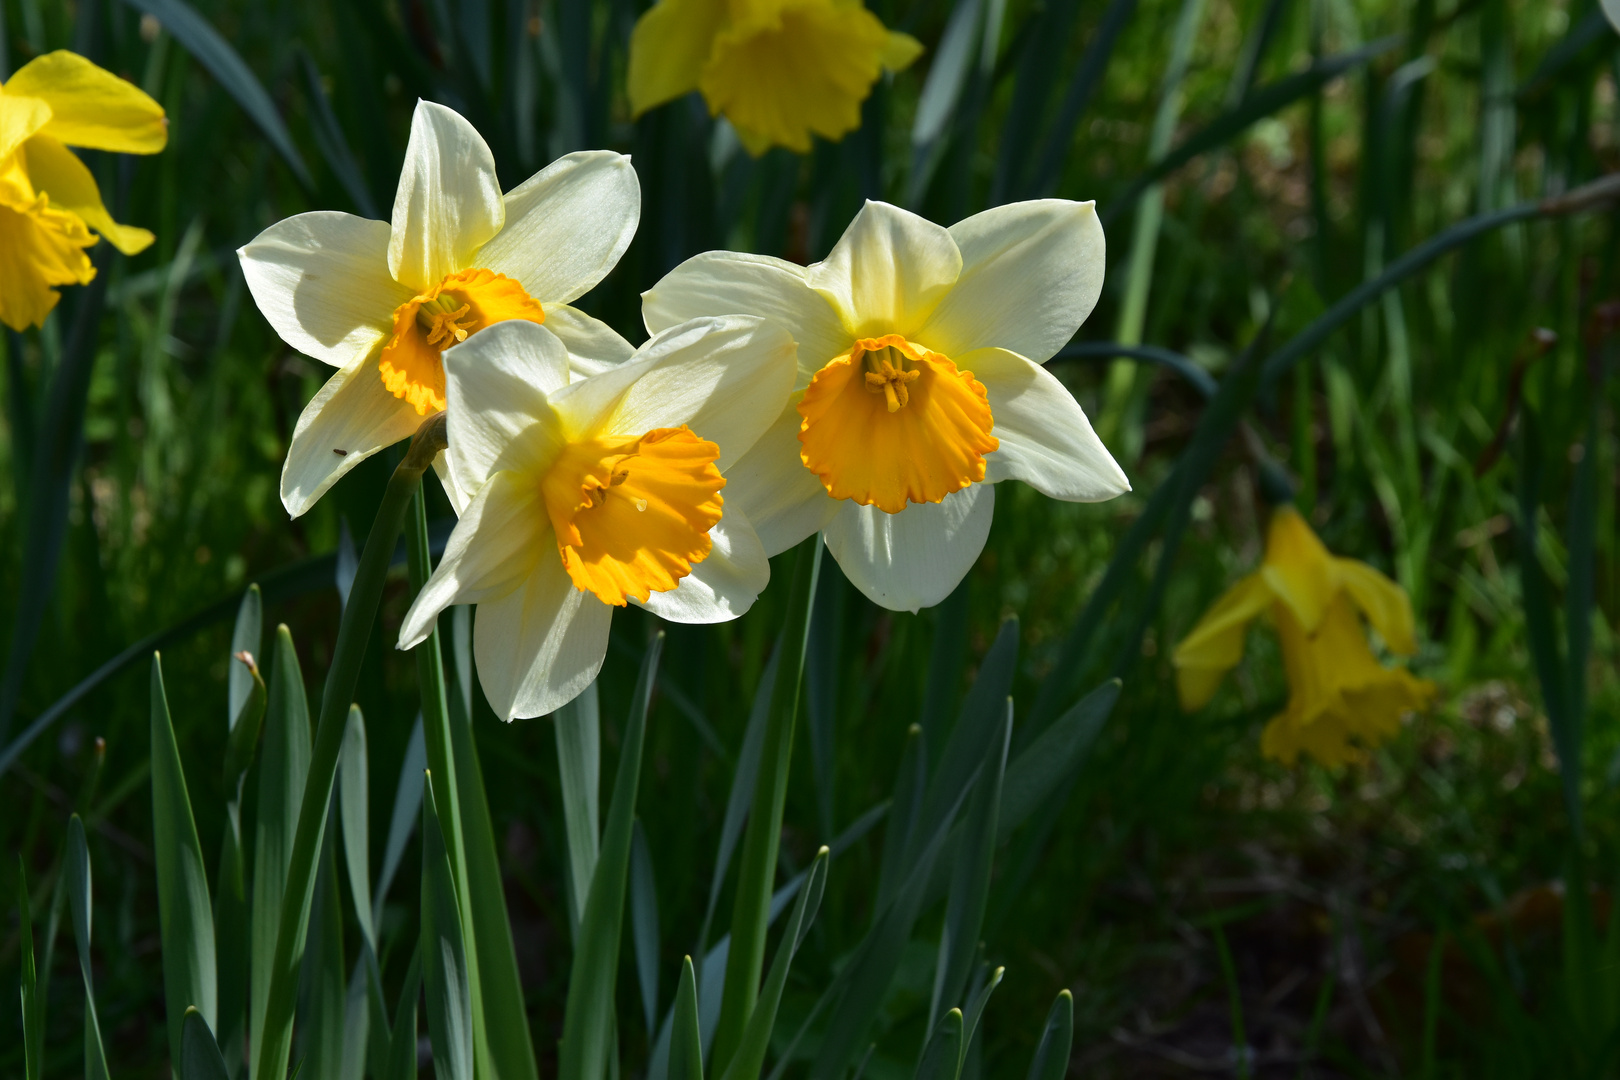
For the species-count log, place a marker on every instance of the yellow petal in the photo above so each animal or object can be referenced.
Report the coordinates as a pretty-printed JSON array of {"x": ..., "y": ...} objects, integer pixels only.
[
  {"x": 20, "y": 119},
  {"x": 1216, "y": 644},
  {"x": 57, "y": 171},
  {"x": 40, "y": 247},
  {"x": 1383, "y": 602},
  {"x": 91, "y": 106},
  {"x": 1298, "y": 568},
  {"x": 900, "y": 50},
  {"x": 669, "y": 47}
]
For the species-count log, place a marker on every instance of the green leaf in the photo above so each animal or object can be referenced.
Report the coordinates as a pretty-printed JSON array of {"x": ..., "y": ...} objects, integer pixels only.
[
  {"x": 402, "y": 821},
  {"x": 354, "y": 804},
  {"x": 200, "y": 1058},
  {"x": 757, "y": 874},
  {"x": 213, "y": 52},
  {"x": 78, "y": 888},
  {"x": 245, "y": 638},
  {"x": 976, "y": 1012},
  {"x": 185, "y": 910},
  {"x": 449, "y": 994},
  {"x": 970, "y": 881},
  {"x": 322, "y": 995},
  {"x": 644, "y": 924},
  {"x": 822, "y": 658},
  {"x": 577, "y": 730},
  {"x": 243, "y": 742},
  {"x": 756, "y": 1038},
  {"x": 942, "y": 1058},
  {"x": 33, "y": 1011},
  {"x": 909, "y": 786},
  {"x": 329, "y": 137},
  {"x": 1053, "y": 757},
  {"x": 231, "y": 943},
  {"x": 1051, "y": 1060},
  {"x": 686, "y": 1041},
  {"x": 589, "y": 1017},
  {"x": 283, "y": 766},
  {"x": 402, "y": 1040}
]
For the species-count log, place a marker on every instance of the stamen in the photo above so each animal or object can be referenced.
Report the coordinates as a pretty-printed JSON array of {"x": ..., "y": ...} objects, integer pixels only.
[{"x": 887, "y": 375}]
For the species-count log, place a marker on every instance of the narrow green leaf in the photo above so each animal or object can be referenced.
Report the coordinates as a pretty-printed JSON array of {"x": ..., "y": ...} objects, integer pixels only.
[
  {"x": 78, "y": 889},
  {"x": 1088, "y": 75},
  {"x": 686, "y": 1042},
  {"x": 909, "y": 788},
  {"x": 200, "y": 1058},
  {"x": 402, "y": 821},
  {"x": 756, "y": 1039},
  {"x": 246, "y": 635},
  {"x": 185, "y": 910},
  {"x": 283, "y": 765},
  {"x": 329, "y": 138},
  {"x": 821, "y": 661},
  {"x": 1051, "y": 1060},
  {"x": 942, "y": 1058},
  {"x": 402, "y": 1039},
  {"x": 213, "y": 52},
  {"x": 33, "y": 1010},
  {"x": 644, "y": 924},
  {"x": 975, "y": 1012},
  {"x": 757, "y": 874},
  {"x": 357, "y": 1016},
  {"x": 449, "y": 995},
  {"x": 322, "y": 993},
  {"x": 588, "y": 1020},
  {"x": 243, "y": 742},
  {"x": 577, "y": 729},
  {"x": 1053, "y": 757},
  {"x": 354, "y": 803}
]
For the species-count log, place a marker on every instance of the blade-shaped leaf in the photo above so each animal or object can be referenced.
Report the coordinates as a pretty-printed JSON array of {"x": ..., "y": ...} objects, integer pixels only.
[
  {"x": 200, "y": 1058},
  {"x": 33, "y": 1011},
  {"x": 231, "y": 942},
  {"x": 686, "y": 1042},
  {"x": 322, "y": 990},
  {"x": 909, "y": 787},
  {"x": 644, "y": 924},
  {"x": 243, "y": 742},
  {"x": 402, "y": 822},
  {"x": 78, "y": 889},
  {"x": 185, "y": 910},
  {"x": 444, "y": 956},
  {"x": 577, "y": 729},
  {"x": 354, "y": 802},
  {"x": 1051, "y": 1060},
  {"x": 245, "y": 638},
  {"x": 402, "y": 1039},
  {"x": 942, "y": 1058},
  {"x": 589, "y": 1018},
  {"x": 1053, "y": 757},
  {"x": 976, "y": 1011}
]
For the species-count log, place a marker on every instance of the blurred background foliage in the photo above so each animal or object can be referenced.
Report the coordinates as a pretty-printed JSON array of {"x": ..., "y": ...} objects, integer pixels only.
[{"x": 1402, "y": 918}]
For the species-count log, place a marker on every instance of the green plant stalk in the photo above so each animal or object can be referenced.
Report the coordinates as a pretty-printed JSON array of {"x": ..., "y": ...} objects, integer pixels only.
[
  {"x": 354, "y": 633},
  {"x": 1240, "y": 1038},
  {"x": 757, "y": 873}
]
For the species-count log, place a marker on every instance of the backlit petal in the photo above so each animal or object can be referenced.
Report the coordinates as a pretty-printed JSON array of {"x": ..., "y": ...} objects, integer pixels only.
[
  {"x": 728, "y": 580},
  {"x": 21, "y": 118},
  {"x": 1045, "y": 439},
  {"x": 90, "y": 106},
  {"x": 540, "y": 645},
  {"x": 57, "y": 171},
  {"x": 1298, "y": 568},
  {"x": 1383, "y": 602},
  {"x": 1031, "y": 273},
  {"x": 593, "y": 346},
  {"x": 912, "y": 559},
  {"x": 888, "y": 272},
  {"x": 448, "y": 204},
  {"x": 321, "y": 279},
  {"x": 40, "y": 247},
  {"x": 349, "y": 419},
  {"x": 496, "y": 383},
  {"x": 669, "y": 47},
  {"x": 723, "y": 282},
  {"x": 567, "y": 225},
  {"x": 1215, "y": 645},
  {"x": 784, "y": 500}
]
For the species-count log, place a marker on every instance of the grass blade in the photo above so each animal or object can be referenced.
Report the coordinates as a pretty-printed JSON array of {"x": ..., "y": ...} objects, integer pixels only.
[
  {"x": 976, "y": 1012},
  {"x": 186, "y": 912},
  {"x": 330, "y": 139},
  {"x": 79, "y": 887},
  {"x": 577, "y": 728},
  {"x": 757, "y": 873},
  {"x": 198, "y": 37},
  {"x": 942, "y": 1058},
  {"x": 33, "y": 1010},
  {"x": 200, "y": 1058},
  {"x": 444, "y": 954},
  {"x": 644, "y": 924},
  {"x": 1053, "y": 757},
  {"x": 243, "y": 741},
  {"x": 354, "y": 805},
  {"x": 589, "y": 1018},
  {"x": 402, "y": 1039},
  {"x": 1088, "y": 76},
  {"x": 905, "y": 807},
  {"x": 1051, "y": 1060},
  {"x": 402, "y": 822},
  {"x": 322, "y": 992},
  {"x": 686, "y": 1044},
  {"x": 245, "y": 638},
  {"x": 821, "y": 690}
]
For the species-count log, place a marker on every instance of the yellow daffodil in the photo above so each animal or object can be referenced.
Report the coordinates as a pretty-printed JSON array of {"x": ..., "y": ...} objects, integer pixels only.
[
  {"x": 780, "y": 70},
  {"x": 381, "y": 300},
  {"x": 1341, "y": 700},
  {"x": 920, "y": 384},
  {"x": 50, "y": 207},
  {"x": 592, "y": 492}
]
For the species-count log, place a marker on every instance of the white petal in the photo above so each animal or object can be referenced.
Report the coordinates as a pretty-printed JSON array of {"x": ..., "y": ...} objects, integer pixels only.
[
  {"x": 912, "y": 559},
  {"x": 567, "y": 225},
  {"x": 539, "y": 646},
  {"x": 723, "y": 585},
  {"x": 448, "y": 204},
  {"x": 500, "y": 541},
  {"x": 321, "y": 279},
  {"x": 593, "y": 346},
  {"x": 1031, "y": 273},
  {"x": 888, "y": 271},
  {"x": 496, "y": 385},
  {"x": 727, "y": 282},
  {"x": 458, "y": 496},
  {"x": 1046, "y": 440},
  {"x": 353, "y": 413},
  {"x": 724, "y": 377},
  {"x": 784, "y": 500}
]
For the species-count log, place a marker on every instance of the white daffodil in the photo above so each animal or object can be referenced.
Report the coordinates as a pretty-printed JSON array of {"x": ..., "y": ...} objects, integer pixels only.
[
  {"x": 920, "y": 384},
  {"x": 597, "y": 491},
  {"x": 380, "y": 301}
]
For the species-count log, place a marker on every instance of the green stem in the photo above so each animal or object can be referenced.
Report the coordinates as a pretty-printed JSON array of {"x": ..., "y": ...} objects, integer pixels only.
[
  {"x": 274, "y": 1041},
  {"x": 757, "y": 874}
]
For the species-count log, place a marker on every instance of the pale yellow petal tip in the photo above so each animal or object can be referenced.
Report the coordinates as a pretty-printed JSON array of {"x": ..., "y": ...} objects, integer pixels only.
[
  {"x": 1195, "y": 686},
  {"x": 900, "y": 51}
]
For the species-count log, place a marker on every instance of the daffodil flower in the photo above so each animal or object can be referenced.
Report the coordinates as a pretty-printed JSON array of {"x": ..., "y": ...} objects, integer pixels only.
[
  {"x": 382, "y": 300},
  {"x": 50, "y": 207},
  {"x": 920, "y": 384},
  {"x": 780, "y": 70},
  {"x": 1341, "y": 699},
  {"x": 593, "y": 492}
]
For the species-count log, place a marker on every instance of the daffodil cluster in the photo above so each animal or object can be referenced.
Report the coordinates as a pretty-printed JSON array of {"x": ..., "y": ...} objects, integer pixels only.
[
  {"x": 50, "y": 207},
  {"x": 1341, "y": 700},
  {"x": 874, "y": 397}
]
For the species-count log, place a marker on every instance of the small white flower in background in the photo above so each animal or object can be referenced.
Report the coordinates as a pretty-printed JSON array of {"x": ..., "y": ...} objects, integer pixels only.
[
  {"x": 381, "y": 301},
  {"x": 591, "y": 493},
  {"x": 920, "y": 384}
]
